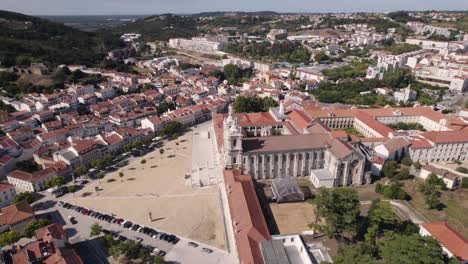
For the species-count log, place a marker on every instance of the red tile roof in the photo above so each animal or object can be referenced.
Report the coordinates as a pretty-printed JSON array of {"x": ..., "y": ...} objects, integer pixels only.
[
  {"x": 18, "y": 212},
  {"x": 50, "y": 233},
  {"x": 449, "y": 238},
  {"x": 64, "y": 256},
  {"x": 5, "y": 186},
  {"x": 299, "y": 118},
  {"x": 247, "y": 217},
  {"x": 458, "y": 136},
  {"x": 32, "y": 177}
]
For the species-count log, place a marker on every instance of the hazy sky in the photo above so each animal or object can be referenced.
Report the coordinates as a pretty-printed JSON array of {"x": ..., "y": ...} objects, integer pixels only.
[{"x": 93, "y": 7}]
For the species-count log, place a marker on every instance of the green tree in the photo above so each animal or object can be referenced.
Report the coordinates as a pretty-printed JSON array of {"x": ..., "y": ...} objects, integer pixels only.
[
  {"x": 81, "y": 170},
  {"x": 251, "y": 104},
  {"x": 9, "y": 238},
  {"x": 464, "y": 183},
  {"x": 321, "y": 57},
  {"x": 158, "y": 260},
  {"x": 97, "y": 163},
  {"x": 406, "y": 161},
  {"x": 24, "y": 196},
  {"x": 337, "y": 211},
  {"x": 28, "y": 166},
  {"x": 403, "y": 174},
  {"x": 462, "y": 170},
  {"x": 268, "y": 102},
  {"x": 431, "y": 195},
  {"x": 299, "y": 55},
  {"x": 434, "y": 180},
  {"x": 232, "y": 74},
  {"x": 143, "y": 161},
  {"x": 392, "y": 191},
  {"x": 399, "y": 78},
  {"x": 417, "y": 165},
  {"x": 161, "y": 151},
  {"x": 389, "y": 169},
  {"x": 71, "y": 188},
  {"x": 381, "y": 218},
  {"x": 55, "y": 182},
  {"x": 95, "y": 229},
  {"x": 172, "y": 128},
  {"x": 354, "y": 255},
  {"x": 411, "y": 249},
  {"x": 34, "y": 225}
]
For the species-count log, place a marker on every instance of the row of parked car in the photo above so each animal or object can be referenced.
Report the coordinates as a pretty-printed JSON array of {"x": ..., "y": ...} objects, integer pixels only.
[{"x": 124, "y": 223}]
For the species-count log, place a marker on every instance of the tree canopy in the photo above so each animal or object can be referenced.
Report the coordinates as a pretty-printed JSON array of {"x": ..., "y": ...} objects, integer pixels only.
[
  {"x": 250, "y": 104},
  {"x": 235, "y": 75},
  {"x": 40, "y": 40},
  {"x": 289, "y": 51},
  {"x": 9, "y": 237},
  {"x": 337, "y": 211},
  {"x": 55, "y": 182},
  {"x": 24, "y": 196},
  {"x": 411, "y": 249},
  {"x": 34, "y": 225}
]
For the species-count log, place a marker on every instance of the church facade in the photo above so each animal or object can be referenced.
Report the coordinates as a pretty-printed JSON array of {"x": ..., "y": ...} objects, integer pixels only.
[{"x": 275, "y": 145}]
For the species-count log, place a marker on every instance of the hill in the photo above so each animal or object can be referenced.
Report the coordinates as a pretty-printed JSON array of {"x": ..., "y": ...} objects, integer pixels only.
[
  {"x": 240, "y": 13},
  {"x": 25, "y": 39},
  {"x": 161, "y": 27}
]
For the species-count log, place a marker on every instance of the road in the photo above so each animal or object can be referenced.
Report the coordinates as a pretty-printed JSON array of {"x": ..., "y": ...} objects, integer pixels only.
[{"x": 404, "y": 210}]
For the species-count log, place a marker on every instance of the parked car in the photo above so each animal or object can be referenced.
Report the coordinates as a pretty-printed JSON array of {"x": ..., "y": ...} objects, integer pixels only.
[
  {"x": 192, "y": 244},
  {"x": 207, "y": 250},
  {"x": 72, "y": 220}
]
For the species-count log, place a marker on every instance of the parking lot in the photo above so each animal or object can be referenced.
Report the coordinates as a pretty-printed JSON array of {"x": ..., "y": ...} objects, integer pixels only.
[
  {"x": 155, "y": 194},
  {"x": 90, "y": 249}
]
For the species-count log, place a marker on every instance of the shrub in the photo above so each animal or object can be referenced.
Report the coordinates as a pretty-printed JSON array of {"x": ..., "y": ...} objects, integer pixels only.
[
  {"x": 406, "y": 161},
  {"x": 464, "y": 183},
  {"x": 462, "y": 170},
  {"x": 392, "y": 191},
  {"x": 417, "y": 165},
  {"x": 389, "y": 169},
  {"x": 402, "y": 175}
]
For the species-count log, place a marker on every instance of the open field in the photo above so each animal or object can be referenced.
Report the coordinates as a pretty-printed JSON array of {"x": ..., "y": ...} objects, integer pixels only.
[
  {"x": 455, "y": 211},
  {"x": 159, "y": 187},
  {"x": 293, "y": 218}
]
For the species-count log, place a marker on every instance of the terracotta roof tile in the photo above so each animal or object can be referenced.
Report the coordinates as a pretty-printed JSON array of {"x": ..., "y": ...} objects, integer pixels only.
[{"x": 449, "y": 238}]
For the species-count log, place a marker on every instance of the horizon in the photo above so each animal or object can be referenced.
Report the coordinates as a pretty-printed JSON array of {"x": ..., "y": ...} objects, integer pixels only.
[{"x": 184, "y": 7}]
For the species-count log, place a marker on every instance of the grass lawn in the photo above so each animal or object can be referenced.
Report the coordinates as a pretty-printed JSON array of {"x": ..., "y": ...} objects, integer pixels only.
[{"x": 455, "y": 211}]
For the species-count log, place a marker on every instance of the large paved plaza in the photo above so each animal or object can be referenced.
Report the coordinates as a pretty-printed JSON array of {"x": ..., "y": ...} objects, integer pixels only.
[{"x": 159, "y": 187}]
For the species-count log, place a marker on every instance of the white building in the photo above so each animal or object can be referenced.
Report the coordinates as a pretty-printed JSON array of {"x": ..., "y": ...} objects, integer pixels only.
[
  {"x": 405, "y": 95},
  {"x": 204, "y": 44},
  {"x": 450, "y": 179}
]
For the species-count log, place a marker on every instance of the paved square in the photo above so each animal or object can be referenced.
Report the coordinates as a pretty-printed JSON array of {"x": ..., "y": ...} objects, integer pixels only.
[{"x": 160, "y": 187}]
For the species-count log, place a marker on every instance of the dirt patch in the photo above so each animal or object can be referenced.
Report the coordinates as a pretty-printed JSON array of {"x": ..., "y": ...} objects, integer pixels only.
[
  {"x": 455, "y": 209},
  {"x": 293, "y": 218}
]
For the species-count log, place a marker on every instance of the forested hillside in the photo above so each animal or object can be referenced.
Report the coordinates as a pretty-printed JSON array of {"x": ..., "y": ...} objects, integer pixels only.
[{"x": 25, "y": 39}]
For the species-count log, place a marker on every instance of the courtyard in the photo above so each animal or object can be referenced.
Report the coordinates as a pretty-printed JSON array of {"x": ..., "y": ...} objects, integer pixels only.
[
  {"x": 293, "y": 218},
  {"x": 159, "y": 187}
]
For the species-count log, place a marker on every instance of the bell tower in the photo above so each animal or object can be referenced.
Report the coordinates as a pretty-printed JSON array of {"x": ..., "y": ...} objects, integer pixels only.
[{"x": 232, "y": 142}]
